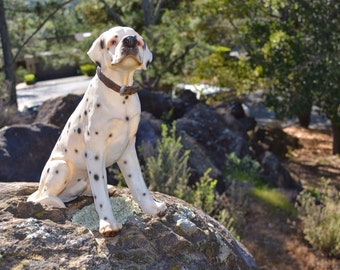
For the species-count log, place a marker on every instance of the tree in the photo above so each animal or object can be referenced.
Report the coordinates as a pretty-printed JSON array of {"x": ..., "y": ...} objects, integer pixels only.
[
  {"x": 167, "y": 27},
  {"x": 10, "y": 99},
  {"x": 296, "y": 43}
]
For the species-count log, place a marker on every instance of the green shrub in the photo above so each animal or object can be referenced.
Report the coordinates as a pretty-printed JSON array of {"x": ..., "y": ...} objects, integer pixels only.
[
  {"x": 29, "y": 78},
  {"x": 244, "y": 169},
  {"x": 168, "y": 170},
  {"x": 321, "y": 221},
  {"x": 203, "y": 194},
  {"x": 88, "y": 69}
]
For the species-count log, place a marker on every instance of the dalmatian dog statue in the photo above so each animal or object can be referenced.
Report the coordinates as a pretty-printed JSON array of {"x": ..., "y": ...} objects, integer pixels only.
[{"x": 101, "y": 131}]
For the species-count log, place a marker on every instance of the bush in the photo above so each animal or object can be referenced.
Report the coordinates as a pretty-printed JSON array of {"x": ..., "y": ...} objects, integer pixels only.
[
  {"x": 320, "y": 215},
  {"x": 168, "y": 170},
  {"x": 29, "y": 78},
  {"x": 88, "y": 69},
  {"x": 244, "y": 169}
]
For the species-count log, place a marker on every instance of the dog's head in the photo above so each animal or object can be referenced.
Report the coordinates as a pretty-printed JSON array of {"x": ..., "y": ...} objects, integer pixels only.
[{"x": 120, "y": 45}]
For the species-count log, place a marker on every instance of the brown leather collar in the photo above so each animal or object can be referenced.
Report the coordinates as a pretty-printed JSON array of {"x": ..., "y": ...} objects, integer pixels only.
[{"x": 124, "y": 90}]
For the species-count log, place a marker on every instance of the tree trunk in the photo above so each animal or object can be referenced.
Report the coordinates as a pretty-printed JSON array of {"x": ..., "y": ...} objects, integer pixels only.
[
  {"x": 336, "y": 138},
  {"x": 10, "y": 97},
  {"x": 304, "y": 119}
]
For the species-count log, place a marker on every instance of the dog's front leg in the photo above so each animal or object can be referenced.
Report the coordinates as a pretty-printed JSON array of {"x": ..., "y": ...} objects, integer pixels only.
[
  {"x": 108, "y": 226},
  {"x": 130, "y": 168}
]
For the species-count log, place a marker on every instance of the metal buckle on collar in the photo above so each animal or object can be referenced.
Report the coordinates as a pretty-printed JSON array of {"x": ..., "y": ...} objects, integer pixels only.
[{"x": 126, "y": 90}]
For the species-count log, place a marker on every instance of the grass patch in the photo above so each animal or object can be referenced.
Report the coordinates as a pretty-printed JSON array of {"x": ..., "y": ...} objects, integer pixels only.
[{"x": 274, "y": 198}]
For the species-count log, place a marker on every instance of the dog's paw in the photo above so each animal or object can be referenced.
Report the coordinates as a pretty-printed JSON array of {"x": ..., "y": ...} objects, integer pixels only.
[
  {"x": 161, "y": 206},
  {"x": 108, "y": 229},
  {"x": 155, "y": 209}
]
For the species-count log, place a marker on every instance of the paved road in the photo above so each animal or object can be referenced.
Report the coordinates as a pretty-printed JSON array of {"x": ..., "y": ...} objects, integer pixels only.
[{"x": 32, "y": 95}]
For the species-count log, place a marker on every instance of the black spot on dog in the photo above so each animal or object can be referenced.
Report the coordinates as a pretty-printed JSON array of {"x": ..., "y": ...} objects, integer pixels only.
[
  {"x": 127, "y": 118},
  {"x": 79, "y": 130},
  {"x": 144, "y": 194},
  {"x": 123, "y": 101},
  {"x": 85, "y": 154},
  {"x": 96, "y": 132},
  {"x": 76, "y": 150},
  {"x": 56, "y": 171},
  {"x": 48, "y": 170},
  {"x": 96, "y": 157},
  {"x": 102, "y": 44},
  {"x": 65, "y": 150},
  {"x": 129, "y": 175},
  {"x": 98, "y": 105},
  {"x": 96, "y": 177},
  {"x": 79, "y": 179},
  {"x": 101, "y": 206},
  {"x": 126, "y": 97},
  {"x": 110, "y": 135},
  {"x": 125, "y": 162},
  {"x": 95, "y": 197},
  {"x": 85, "y": 112},
  {"x": 105, "y": 218}
]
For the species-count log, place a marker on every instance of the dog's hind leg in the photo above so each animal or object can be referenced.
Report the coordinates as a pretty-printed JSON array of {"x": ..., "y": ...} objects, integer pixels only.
[{"x": 54, "y": 179}]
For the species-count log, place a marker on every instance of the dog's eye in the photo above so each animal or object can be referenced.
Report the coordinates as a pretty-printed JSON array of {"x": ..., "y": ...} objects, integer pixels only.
[{"x": 113, "y": 41}]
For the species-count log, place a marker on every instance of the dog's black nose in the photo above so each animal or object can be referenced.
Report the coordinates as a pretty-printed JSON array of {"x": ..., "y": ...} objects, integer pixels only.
[{"x": 130, "y": 41}]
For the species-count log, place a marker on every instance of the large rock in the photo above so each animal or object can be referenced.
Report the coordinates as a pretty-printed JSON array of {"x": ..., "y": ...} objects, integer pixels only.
[
  {"x": 56, "y": 111},
  {"x": 210, "y": 131},
  {"x": 24, "y": 150},
  {"x": 275, "y": 174},
  {"x": 32, "y": 237}
]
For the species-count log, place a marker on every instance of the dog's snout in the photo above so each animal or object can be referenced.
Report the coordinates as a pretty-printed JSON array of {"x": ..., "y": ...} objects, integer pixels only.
[{"x": 130, "y": 41}]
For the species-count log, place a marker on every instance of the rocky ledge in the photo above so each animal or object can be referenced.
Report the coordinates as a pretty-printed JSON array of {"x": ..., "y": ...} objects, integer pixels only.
[{"x": 32, "y": 237}]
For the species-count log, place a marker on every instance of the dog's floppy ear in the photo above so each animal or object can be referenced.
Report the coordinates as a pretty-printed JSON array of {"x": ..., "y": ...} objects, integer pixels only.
[
  {"x": 95, "y": 52},
  {"x": 147, "y": 58}
]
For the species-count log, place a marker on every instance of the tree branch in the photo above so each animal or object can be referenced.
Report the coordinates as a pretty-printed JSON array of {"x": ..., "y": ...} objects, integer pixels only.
[
  {"x": 113, "y": 13},
  {"x": 39, "y": 27}
]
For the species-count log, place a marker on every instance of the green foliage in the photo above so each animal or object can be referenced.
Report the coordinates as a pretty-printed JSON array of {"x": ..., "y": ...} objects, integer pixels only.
[
  {"x": 321, "y": 221},
  {"x": 297, "y": 45},
  {"x": 274, "y": 199},
  {"x": 202, "y": 195},
  {"x": 244, "y": 169},
  {"x": 219, "y": 68},
  {"x": 29, "y": 78},
  {"x": 168, "y": 171},
  {"x": 88, "y": 69}
]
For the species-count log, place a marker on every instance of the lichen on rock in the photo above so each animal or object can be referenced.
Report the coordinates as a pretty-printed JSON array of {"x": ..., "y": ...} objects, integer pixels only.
[{"x": 122, "y": 208}]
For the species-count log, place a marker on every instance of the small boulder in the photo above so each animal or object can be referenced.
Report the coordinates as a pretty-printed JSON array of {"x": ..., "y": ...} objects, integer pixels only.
[
  {"x": 24, "y": 150},
  {"x": 56, "y": 111}
]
